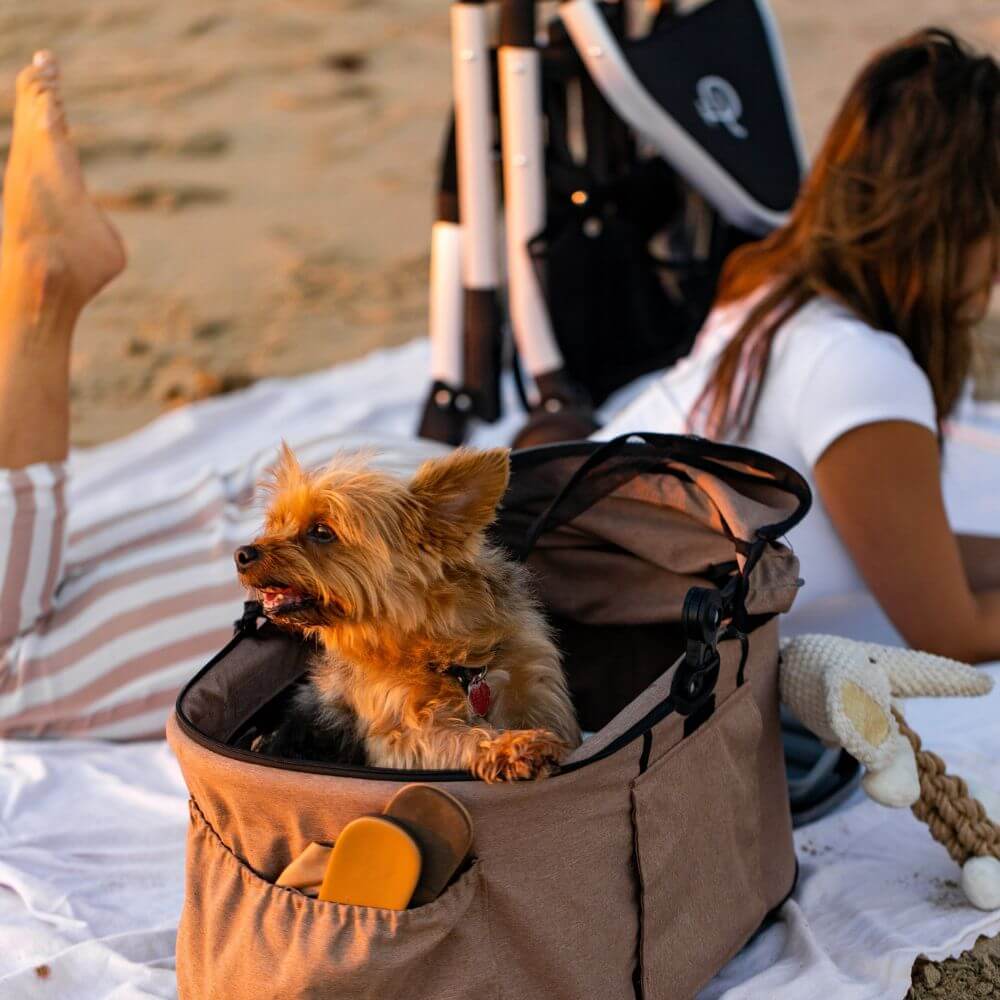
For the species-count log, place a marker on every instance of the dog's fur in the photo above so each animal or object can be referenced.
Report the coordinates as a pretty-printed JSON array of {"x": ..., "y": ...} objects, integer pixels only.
[{"x": 406, "y": 588}]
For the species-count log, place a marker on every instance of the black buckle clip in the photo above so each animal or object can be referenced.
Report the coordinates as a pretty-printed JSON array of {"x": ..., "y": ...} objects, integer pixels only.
[
  {"x": 247, "y": 623},
  {"x": 696, "y": 676}
]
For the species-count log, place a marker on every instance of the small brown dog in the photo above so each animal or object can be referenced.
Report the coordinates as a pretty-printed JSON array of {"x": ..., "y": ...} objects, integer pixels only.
[{"x": 436, "y": 654}]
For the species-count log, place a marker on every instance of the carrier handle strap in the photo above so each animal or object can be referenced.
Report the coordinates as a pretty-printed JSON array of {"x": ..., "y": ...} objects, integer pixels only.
[
  {"x": 690, "y": 449},
  {"x": 596, "y": 458}
]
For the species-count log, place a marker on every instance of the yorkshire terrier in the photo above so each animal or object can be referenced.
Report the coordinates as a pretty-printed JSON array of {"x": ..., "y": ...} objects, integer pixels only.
[{"x": 434, "y": 651}]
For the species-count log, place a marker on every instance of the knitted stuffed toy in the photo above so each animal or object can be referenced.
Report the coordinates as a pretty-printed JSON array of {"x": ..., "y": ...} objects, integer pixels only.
[{"x": 844, "y": 692}]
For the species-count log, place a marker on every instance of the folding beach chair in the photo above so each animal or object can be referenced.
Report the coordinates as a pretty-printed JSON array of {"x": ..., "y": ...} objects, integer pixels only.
[{"x": 634, "y": 158}]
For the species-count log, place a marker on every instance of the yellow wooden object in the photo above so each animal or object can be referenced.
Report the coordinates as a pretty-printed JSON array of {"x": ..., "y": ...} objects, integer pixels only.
[{"x": 374, "y": 862}]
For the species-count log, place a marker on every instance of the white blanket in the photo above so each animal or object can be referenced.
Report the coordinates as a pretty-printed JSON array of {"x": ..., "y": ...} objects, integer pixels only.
[{"x": 92, "y": 835}]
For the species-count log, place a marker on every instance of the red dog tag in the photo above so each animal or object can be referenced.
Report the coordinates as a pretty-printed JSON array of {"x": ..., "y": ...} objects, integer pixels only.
[{"x": 480, "y": 695}]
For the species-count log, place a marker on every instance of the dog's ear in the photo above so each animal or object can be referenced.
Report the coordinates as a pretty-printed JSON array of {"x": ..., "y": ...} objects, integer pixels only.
[
  {"x": 460, "y": 493},
  {"x": 286, "y": 472}
]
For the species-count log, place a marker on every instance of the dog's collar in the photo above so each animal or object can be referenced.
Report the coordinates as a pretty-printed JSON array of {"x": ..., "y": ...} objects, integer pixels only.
[
  {"x": 473, "y": 681},
  {"x": 466, "y": 675}
]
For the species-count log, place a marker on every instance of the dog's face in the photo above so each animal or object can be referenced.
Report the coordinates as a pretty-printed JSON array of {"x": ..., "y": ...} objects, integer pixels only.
[{"x": 350, "y": 545}]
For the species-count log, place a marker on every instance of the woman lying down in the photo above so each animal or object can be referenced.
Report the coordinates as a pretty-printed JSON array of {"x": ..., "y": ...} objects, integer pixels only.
[{"x": 839, "y": 344}]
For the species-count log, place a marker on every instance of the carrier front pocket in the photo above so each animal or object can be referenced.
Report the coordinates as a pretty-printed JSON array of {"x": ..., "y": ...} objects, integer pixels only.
[
  {"x": 240, "y": 936},
  {"x": 696, "y": 814}
]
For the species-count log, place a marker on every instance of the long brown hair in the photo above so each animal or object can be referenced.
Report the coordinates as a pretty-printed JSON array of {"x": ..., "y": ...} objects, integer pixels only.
[{"x": 906, "y": 182}]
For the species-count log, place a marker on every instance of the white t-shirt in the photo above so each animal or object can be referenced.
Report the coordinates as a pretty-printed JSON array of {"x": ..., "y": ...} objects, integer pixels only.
[{"x": 829, "y": 372}]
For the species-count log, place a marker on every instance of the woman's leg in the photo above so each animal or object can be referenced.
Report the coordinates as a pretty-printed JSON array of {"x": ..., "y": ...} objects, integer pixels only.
[{"x": 58, "y": 251}]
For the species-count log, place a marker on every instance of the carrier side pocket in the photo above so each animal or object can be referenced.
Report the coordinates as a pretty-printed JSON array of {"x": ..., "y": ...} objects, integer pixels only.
[
  {"x": 697, "y": 831},
  {"x": 240, "y": 936}
]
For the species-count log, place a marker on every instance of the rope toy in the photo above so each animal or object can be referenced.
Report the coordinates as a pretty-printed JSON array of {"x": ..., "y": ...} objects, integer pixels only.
[
  {"x": 954, "y": 817},
  {"x": 844, "y": 692}
]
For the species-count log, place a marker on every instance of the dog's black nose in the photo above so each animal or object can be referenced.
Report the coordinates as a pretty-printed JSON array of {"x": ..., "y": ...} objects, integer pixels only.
[{"x": 246, "y": 554}]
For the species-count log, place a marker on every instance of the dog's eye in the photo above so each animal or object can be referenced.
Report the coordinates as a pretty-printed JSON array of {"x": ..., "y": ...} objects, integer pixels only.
[{"x": 320, "y": 532}]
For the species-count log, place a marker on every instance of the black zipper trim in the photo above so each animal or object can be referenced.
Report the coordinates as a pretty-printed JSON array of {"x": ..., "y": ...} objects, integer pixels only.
[
  {"x": 336, "y": 770},
  {"x": 639, "y": 728},
  {"x": 332, "y": 770}
]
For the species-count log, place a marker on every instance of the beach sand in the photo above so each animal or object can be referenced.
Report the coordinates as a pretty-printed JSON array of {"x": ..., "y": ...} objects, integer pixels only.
[
  {"x": 973, "y": 973},
  {"x": 271, "y": 165}
]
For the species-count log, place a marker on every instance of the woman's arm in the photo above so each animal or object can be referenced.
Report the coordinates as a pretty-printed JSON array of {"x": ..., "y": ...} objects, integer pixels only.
[
  {"x": 981, "y": 558},
  {"x": 881, "y": 485}
]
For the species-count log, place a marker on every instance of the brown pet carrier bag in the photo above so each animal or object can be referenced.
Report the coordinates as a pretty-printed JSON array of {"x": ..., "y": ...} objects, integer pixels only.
[{"x": 642, "y": 866}]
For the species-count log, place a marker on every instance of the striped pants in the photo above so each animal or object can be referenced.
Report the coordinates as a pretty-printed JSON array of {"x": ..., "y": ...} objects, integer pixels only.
[
  {"x": 117, "y": 587},
  {"x": 101, "y": 622}
]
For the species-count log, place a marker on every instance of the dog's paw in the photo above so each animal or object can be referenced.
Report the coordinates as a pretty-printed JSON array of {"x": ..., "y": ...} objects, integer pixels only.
[{"x": 519, "y": 755}]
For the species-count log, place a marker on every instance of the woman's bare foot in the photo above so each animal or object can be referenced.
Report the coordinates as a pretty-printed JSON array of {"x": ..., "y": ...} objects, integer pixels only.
[{"x": 58, "y": 249}]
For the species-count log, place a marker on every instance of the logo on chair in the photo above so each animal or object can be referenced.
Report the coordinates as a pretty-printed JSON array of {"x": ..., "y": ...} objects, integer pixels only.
[{"x": 718, "y": 103}]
